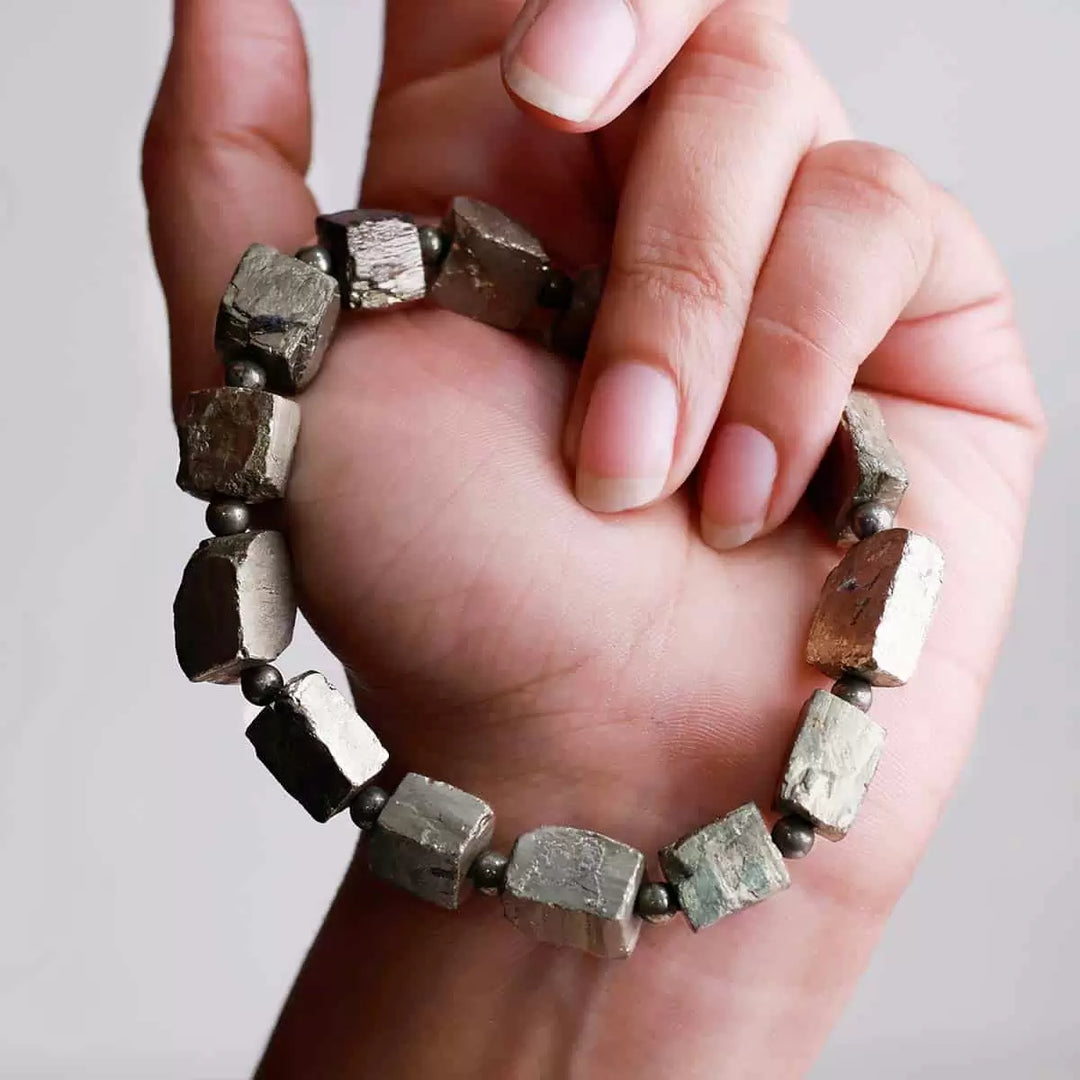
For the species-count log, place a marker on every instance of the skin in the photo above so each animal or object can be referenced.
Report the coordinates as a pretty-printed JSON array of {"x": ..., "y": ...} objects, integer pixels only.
[{"x": 609, "y": 671}]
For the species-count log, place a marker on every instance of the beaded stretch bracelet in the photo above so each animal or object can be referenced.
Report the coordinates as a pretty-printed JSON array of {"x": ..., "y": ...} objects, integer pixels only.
[{"x": 235, "y": 609}]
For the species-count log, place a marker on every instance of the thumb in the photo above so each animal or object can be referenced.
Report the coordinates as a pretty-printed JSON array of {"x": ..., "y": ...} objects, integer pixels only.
[{"x": 224, "y": 159}]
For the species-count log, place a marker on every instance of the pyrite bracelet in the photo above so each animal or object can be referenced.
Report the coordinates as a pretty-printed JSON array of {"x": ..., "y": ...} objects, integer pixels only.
[{"x": 235, "y": 610}]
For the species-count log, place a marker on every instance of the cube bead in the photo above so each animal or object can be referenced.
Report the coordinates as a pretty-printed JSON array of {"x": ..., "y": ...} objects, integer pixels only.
[
  {"x": 235, "y": 607},
  {"x": 834, "y": 758},
  {"x": 280, "y": 312},
  {"x": 237, "y": 443},
  {"x": 493, "y": 270},
  {"x": 876, "y": 608},
  {"x": 724, "y": 867},
  {"x": 376, "y": 256},
  {"x": 573, "y": 887},
  {"x": 316, "y": 745},
  {"x": 426, "y": 838}
]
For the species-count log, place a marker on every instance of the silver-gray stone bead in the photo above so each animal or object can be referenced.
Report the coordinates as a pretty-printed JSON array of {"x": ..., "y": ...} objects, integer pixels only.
[
  {"x": 854, "y": 691},
  {"x": 861, "y": 466},
  {"x": 432, "y": 244},
  {"x": 281, "y": 312},
  {"x": 316, "y": 256},
  {"x": 228, "y": 517},
  {"x": 244, "y": 373},
  {"x": 237, "y": 443},
  {"x": 377, "y": 257},
  {"x": 724, "y": 867},
  {"x": 572, "y": 327},
  {"x": 488, "y": 872},
  {"x": 262, "y": 684},
  {"x": 657, "y": 902},
  {"x": 876, "y": 608},
  {"x": 426, "y": 838},
  {"x": 870, "y": 518},
  {"x": 793, "y": 837},
  {"x": 834, "y": 758},
  {"x": 367, "y": 806},
  {"x": 316, "y": 746},
  {"x": 235, "y": 607},
  {"x": 493, "y": 269},
  {"x": 574, "y": 887}
]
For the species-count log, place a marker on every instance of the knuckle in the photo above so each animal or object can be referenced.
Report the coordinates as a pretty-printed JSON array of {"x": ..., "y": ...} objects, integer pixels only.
[
  {"x": 875, "y": 179},
  {"x": 671, "y": 267}
]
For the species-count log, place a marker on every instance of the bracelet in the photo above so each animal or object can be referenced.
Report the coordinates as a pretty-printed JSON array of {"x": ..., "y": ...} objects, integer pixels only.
[{"x": 235, "y": 609}]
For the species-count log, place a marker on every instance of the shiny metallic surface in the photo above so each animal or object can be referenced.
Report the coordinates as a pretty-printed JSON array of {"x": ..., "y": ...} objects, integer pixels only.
[
  {"x": 237, "y": 443},
  {"x": 316, "y": 746},
  {"x": 367, "y": 806},
  {"x": 245, "y": 373},
  {"x": 724, "y": 867},
  {"x": 657, "y": 902},
  {"x": 834, "y": 758},
  {"x": 870, "y": 518},
  {"x": 376, "y": 256},
  {"x": 572, "y": 327},
  {"x": 488, "y": 872},
  {"x": 573, "y": 887},
  {"x": 426, "y": 838},
  {"x": 281, "y": 312},
  {"x": 262, "y": 684},
  {"x": 854, "y": 691},
  {"x": 228, "y": 517},
  {"x": 861, "y": 466},
  {"x": 235, "y": 607},
  {"x": 793, "y": 837},
  {"x": 315, "y": 256},
  {"x": 432, "y": 244},
  {"x": 493, "y": 269},
  {"x": 876, "y": 608}
]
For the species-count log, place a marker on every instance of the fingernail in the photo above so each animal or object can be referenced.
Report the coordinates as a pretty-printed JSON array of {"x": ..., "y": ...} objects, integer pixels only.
[
  {"x": 738, "y": 486},
  {"x": 564, "y": 56},
  {"x": 627, "y": 439}
]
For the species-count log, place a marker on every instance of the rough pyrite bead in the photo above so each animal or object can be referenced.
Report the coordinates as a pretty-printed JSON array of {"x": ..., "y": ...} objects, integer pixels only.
[
  {"x": 427, "y": 837},
  {"x": 235, "y": 607},
  {"x": 493, "y": 269},
  {"x": 724, "y": 867},
  {"x": 316, "y": 745},
  {"x": 572, "y": 327},
  {"x": 280, "y": 311},
  {"x": 834, "y": 758},
  {"x": 876, "y": 607},
  {"x": 861, "y": 466},
  {"x": 573, "y": 887},
  {"x": 377, "y": 257},
  {"x": 793, "y": 837},
  {"x": 237, "y": 443}
]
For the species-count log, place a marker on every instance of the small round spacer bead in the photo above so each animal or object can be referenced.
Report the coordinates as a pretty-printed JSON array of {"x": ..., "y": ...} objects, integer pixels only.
[
  {"x": 315, "y": 256},
  {"x": 656, "y": 902},
  {"x": 854, "y": 691},
  {"x": 794, "y": 836},
  {"x": 432, "y": 244},
  {"x": 228, "y": 517},
  {"x": 244, "y": 374},
  {"x": 367, "y": 806},
  {"x": 557, "y": 290},
  {"x": 260, "y": 685},
  {"x": 869, "y": 518},
  {"x": 488, "y": 872}
]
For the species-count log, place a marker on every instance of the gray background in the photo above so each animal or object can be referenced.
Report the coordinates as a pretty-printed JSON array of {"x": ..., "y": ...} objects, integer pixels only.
[{"x": 156, "y": 892}]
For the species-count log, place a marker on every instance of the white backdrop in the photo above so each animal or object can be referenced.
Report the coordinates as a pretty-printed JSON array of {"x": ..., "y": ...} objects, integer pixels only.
[{"x": 157, "y": 891}]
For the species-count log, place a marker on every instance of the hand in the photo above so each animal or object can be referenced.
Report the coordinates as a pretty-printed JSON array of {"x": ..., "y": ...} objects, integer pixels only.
[{"x": 613, "y": 671}]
